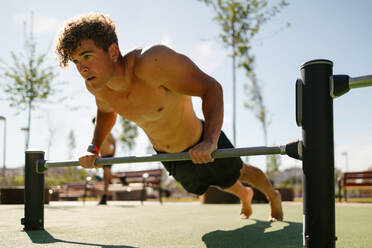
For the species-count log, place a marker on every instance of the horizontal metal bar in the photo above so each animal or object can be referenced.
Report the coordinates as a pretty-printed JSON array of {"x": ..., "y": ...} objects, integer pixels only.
[
  {"x": 221, "y": 153},
  {"x": 359, "y": 82}
]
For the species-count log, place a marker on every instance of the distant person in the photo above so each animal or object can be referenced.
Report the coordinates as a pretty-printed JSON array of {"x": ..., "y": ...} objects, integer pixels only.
[{"x": 107, "y": 149}]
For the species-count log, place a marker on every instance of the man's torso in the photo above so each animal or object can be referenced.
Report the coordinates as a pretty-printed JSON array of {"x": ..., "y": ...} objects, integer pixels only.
[{"x": 165, "y": 116}]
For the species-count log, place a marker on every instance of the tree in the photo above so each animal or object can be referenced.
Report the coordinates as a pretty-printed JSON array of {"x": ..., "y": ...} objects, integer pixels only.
[
  {"x": 27, "y": 81},
  {"x": 71, "y": 144},
  {"x": 256, "y": 103},
  {"x": 128, "y": 134},
  {"x": 273, "y": 165},
  {"x": 241, "y": 20}
]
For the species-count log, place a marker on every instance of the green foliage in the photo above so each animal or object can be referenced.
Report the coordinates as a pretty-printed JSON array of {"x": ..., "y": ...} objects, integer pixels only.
[
  {"x": 273, "y": 165},
  {"x": 241, "y": 21},
  {"x": 71, "y": 143},
  {"x": 14, "y": 180},
  {"x": 289, "y": 183},
  {"x": 68, "y": 175},
  {"x": 128, "y": 134},
  {"x": 255, "y": 102},
  {"x": 27, "y": 81}
]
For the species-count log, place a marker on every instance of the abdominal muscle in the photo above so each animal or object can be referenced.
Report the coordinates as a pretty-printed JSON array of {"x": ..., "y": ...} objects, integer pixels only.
[
  {"x": 175, "y": 132},
  {"x": 172, "y": 129}
]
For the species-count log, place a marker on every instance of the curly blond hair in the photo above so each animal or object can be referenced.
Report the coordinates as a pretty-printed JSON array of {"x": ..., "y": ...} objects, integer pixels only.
[{"x": 94, "y": 26}]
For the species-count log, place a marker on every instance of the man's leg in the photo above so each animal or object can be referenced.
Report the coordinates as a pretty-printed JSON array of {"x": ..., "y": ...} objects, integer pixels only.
[
  {"x": 106, "y": 182},
  {"x": 123, "y": 179},
  {"x": 106, "y": 179},
  {"x": 245, "y": 194},
  {"x": 256, "y": 178}
]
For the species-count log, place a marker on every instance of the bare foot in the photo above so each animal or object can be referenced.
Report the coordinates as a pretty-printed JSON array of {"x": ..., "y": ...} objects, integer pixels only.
[
  {"x": 246, "y": 211},
  {"x": 276, "y": 207}
]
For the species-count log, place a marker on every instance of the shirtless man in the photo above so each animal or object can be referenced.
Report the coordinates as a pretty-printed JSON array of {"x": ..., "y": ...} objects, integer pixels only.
[{"x": 153, "y": 87}]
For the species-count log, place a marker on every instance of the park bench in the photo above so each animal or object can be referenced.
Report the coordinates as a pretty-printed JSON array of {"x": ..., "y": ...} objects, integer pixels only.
[
  {"x": 135, "y": 182},
  {"x": 74, "y": 191},
  {"x": 146, "y": 178},
  {"x": 356, "y": 180}
]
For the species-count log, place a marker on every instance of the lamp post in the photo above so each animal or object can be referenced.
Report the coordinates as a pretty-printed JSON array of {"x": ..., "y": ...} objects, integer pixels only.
[
  {"x": 346, "y": 160},
  {"x": 2, "y": 118}
]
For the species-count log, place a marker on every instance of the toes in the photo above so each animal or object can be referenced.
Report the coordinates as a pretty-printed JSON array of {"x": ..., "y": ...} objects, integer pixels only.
[
  {"x": 243, "y": 216},
  {"x": 275, "y": 219}
]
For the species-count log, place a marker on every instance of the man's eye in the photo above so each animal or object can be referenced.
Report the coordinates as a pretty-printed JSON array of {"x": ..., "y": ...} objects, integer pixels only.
[{"x": 86, "y": 56}]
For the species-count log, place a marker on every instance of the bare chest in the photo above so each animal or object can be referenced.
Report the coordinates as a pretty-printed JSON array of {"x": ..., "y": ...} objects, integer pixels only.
[{"x": 143, "y": 104}]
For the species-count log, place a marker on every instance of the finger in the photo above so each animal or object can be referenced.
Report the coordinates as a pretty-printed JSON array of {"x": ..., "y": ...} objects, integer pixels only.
[
  {"x": 92, "y": 161},
  {"x": 194, "y": 157},
  {"x": 94, "y": 158},
  {"x": 202, "y": 157},
  {"x": 82, "y": 162},
  {"x": 207, "y": 158}
]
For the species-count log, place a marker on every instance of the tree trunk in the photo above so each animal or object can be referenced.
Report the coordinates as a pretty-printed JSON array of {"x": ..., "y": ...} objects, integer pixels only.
[
  {"x": 28, "y": 126},
  {"x": 234, "y": 84}
]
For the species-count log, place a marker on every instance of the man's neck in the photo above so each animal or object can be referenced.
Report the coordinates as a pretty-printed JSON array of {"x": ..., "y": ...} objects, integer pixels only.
[{"x": 120, "y": 82}]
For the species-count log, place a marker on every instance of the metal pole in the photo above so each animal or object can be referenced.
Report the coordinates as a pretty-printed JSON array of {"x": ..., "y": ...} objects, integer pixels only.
[
  {"x": 4, "y": 152},
  {"x": 359, "y": 82},
  {"x": 318, "y": 156},
  {"x": 26, "y": 130},
  {"x": 34, "y": 193},
  {"x": 234, "y": 83},
  {"x": 346, "y": 161},
  {"x": 341, "y": 84},
  {"x": 221, "y": 153}
]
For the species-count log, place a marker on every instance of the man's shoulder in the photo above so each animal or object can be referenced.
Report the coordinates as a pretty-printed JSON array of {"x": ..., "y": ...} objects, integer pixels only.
[
  {"x": 149, "y": 58},
  {"x": 141, "y": 53}
]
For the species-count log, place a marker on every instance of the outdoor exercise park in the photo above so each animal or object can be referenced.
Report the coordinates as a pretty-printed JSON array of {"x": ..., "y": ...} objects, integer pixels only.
[{"x": 206, "y": 180}]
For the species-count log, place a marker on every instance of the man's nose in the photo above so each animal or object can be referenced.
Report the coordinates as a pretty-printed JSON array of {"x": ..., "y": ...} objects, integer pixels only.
[{"x": 83, "y": 68}]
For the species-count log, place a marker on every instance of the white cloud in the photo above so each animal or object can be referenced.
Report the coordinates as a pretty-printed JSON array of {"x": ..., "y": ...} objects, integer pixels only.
[{"x": 41, "y": 24}]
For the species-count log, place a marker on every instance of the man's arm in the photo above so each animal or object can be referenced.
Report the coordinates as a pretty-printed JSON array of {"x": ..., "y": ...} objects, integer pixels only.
[
  {"x": 179, "y": 74},
  {"x": 104, "y": 123},
  {"x": 105, "y": 120}
]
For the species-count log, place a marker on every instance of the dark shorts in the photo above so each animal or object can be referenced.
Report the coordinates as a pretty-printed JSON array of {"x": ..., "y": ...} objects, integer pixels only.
[{"x": 196, "y": 178}]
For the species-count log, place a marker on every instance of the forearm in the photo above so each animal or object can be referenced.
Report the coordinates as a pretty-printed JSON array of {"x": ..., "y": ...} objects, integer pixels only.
[
  {"x": 104, "y": 123},
  {"x": 212, "y": 105}
]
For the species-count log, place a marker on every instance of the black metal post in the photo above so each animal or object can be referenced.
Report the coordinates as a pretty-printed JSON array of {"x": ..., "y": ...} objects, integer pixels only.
[
  {"x": 318, "y": 155},
  {"x": 34, "y": 193}
]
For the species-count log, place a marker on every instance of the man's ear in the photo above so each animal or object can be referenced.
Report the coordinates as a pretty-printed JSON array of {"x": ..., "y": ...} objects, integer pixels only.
[{"x": 113, "y": 51}]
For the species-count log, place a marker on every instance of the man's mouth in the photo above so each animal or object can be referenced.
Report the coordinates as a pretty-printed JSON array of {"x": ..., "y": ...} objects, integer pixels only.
[{"x": 91, "y": 78}]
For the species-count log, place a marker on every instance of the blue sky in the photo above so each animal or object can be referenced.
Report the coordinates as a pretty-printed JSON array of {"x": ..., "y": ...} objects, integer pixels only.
[{"x": 334, "y": 30}]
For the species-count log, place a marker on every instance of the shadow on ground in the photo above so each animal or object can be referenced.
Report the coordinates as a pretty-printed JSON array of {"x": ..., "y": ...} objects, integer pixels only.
[
  {"x": 257, "y": 234},
  {"x": 43, "y": 237}
]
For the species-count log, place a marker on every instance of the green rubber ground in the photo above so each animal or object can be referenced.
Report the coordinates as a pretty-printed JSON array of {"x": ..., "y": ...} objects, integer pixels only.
[{"x": 175, "y": 225}]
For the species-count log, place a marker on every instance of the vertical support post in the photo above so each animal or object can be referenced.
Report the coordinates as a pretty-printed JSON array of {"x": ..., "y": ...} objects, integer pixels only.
[
  {"x": 318, "y": 155},
  {"x": 34, "y": 193}
]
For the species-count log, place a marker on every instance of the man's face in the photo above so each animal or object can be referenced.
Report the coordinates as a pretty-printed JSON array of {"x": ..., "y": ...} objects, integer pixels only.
[{"x": 93, "y": 64}]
